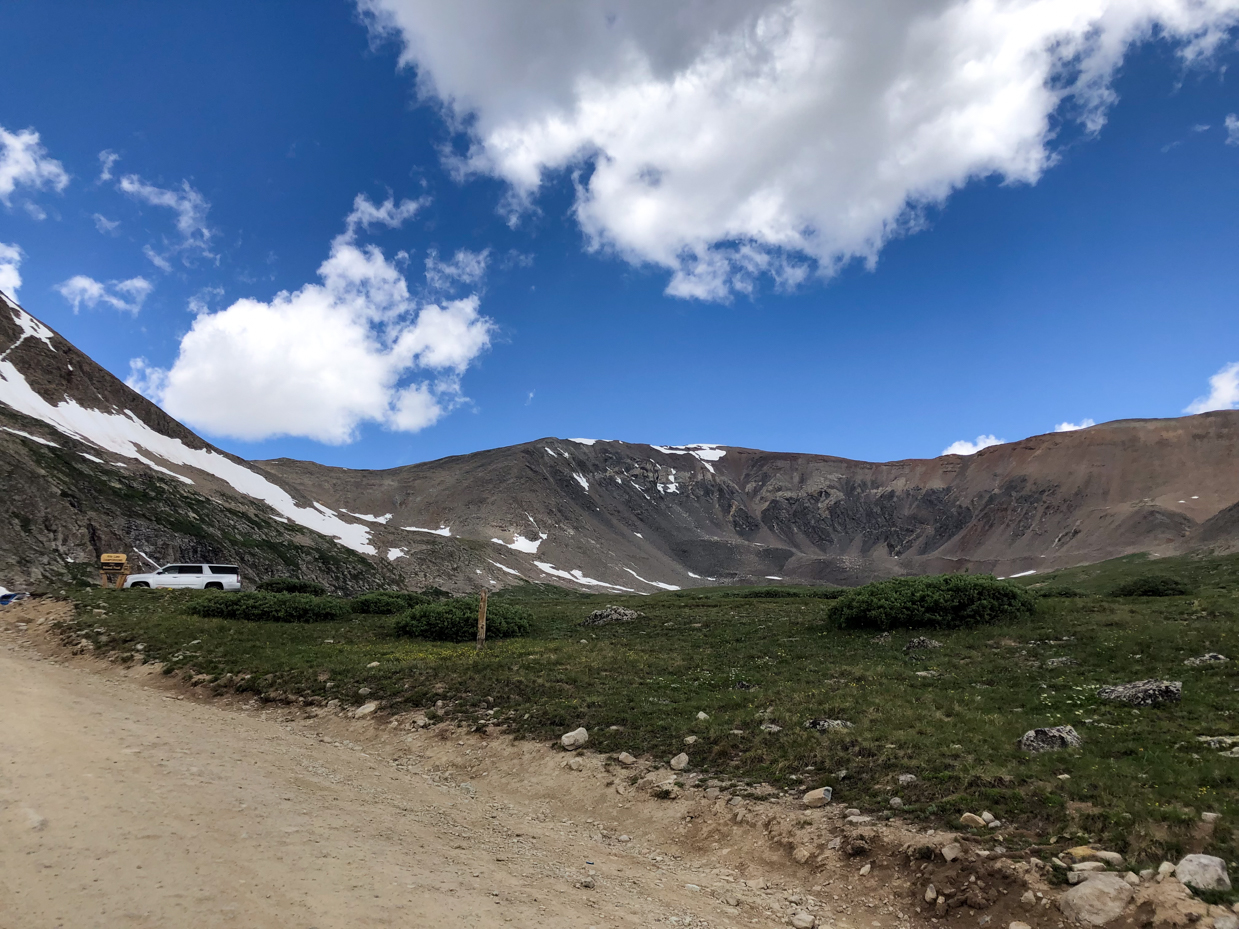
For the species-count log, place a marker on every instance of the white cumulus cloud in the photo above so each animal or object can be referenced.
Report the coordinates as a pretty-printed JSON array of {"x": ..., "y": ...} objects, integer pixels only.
[
  {"x": 10, "y": 262},
  {"x": 1074, "y": 427},
  {"x": 729, "y": 140},
  {"x": 127, "y": 296},
  {"x": 189, "y": 206},
  {"x": 1223, "y": 392},
  {"x": 320, "y": 361},
  {"x": 24, "y": 162},
  {"x": 964, "y": 447}
]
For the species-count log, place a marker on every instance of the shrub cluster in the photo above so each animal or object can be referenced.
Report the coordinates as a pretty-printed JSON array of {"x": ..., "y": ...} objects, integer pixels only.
[
  {"x": 268, "y": 607},
  {"x": 944, "y": 601},
  {"x": 1152, "y": 585},
  {"x": 387, "y": 602},
  {"x": 291, "y": 585},
  {"x": 456, "y": 620},
  {"x": 778, "y": 593}
]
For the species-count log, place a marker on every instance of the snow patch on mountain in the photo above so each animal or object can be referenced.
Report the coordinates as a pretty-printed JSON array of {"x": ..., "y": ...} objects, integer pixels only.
[
  {"x": 577, "y": 576},
  {"x": 124, "y": 434},
  {"x": 521, "y": 544}
]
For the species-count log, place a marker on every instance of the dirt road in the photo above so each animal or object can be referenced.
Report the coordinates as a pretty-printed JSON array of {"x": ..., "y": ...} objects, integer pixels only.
[{"x": 124, "y": 802}]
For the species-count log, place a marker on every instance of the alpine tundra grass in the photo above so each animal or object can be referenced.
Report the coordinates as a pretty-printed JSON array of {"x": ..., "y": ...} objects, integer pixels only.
[{"x": 761, "y": 666}]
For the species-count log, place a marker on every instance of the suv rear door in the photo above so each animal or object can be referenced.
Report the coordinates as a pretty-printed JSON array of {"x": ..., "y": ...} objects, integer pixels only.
[{"x": 186, "y": 575}]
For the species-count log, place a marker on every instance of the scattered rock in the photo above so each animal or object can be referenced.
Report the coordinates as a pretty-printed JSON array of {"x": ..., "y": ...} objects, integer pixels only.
[
  {"x": 926, "y": 673},
  {"x": 931, "y": 893},
  {"x": 1061, "y": 662},
  {"x": 1203, "y": 872},
  {"x": 1206, "y": 659},
  {"x": 921, "y": 643},
  {"x": 679, "y": 762},
  {"x": 1144, "y": 693},
  {"x": 826, "y": 725},
  {"x": 864, "y": 872},
  {"x": 1226, "y": 921},
  {"x": 1089, "y": 866},
  {"x": 988, "y": 818},
  {"x": 373, "y": 664},
  {"x": 952, "y": 851},
  {"x": 1132, "y": 878},
  {"x": 702, "y": 716},
  {"x": 626, "y": 759},
  {"x": 1050, "y": 739},
  {"x": 1210, "y": 817},
  {"x": 858, "y": 820},
  {"x": 972, "y": 821},
  {"x": 896, "y": 803},
  {"x": 802, "y": 920},
  {"x": 1096, "y": 901},
  {"x": 819, "y": 797},
  {"x": 1019, "y": 925},
  {"x": 1029, "y": 898},
  {"x": 586, "y": 883},
  {"x": 611, "y": 614},
  {"x": 363, "y": 691},
  {"x": 574, "y": 739},
  {"x": 770, "y": 727},
  {"x": 366, "y": 709},
  {"x": 690, "y": 740},
  {"x": 576, "y": 763},
  {"x": 1088, "y": 853},
  {"x": 906, "y": 779}
]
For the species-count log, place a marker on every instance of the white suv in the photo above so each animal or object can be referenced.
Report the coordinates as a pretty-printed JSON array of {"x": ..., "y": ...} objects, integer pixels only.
[{"x": 190, "y": 577}]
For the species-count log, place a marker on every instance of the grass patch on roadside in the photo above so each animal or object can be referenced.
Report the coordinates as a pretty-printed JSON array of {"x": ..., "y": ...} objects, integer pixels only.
[{"x": 1138, "y": 784}]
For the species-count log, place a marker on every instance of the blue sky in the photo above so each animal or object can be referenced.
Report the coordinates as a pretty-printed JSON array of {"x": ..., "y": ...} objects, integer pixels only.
[{"x": 1071, "y": 254}]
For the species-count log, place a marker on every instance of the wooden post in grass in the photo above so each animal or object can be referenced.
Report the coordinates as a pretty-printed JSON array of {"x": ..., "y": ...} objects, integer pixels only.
[{"x": 482, "y": 621}]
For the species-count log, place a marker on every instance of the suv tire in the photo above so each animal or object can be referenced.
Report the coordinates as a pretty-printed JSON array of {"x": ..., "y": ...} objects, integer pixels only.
[
  {"x": 213, "y": 585},
  {"x": 138, "y": 584}
]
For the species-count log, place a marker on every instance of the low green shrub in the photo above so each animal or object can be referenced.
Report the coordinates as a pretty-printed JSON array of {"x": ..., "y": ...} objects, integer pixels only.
[
  {"x": 291, "y": 585},
  {"x": 944, "y": 601},
  {"x": 456, "y": 620},
  {"x": 1152, "y": 585},
  {"x": 386, "y": 602},
  {"x": 1064, "y": 592},
  {"x": 266, "y": 607},
  {"x": 779, "y": 593}
]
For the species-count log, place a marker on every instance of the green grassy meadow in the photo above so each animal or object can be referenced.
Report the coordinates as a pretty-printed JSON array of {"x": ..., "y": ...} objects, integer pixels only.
[{"x": 1138, "y": 785}]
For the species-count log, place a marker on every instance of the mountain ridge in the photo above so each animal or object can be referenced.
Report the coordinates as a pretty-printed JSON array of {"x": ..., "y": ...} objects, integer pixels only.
[{"x": 93, "y": 464}]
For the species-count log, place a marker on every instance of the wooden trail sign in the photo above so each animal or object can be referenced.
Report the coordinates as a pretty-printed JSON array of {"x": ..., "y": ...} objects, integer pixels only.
[{"x": 482, "y": 621}]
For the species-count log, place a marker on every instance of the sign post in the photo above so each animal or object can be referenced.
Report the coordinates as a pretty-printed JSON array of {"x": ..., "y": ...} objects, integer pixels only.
[
  {"x": 113, "y": 569},
  {"x": 482, "y": 621}
]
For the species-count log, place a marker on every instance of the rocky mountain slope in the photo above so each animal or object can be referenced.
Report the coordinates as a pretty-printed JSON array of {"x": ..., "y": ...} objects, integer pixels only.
[{"x": 88, "y": 465}]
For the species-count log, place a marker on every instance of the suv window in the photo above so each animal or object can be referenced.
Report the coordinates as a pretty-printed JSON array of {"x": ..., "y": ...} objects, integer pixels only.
[
  {"x": 190, "y": 569},
  {"x": 223, "y": 569}
]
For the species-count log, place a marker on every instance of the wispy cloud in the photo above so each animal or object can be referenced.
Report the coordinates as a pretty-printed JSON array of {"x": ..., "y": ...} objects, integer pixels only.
[
  {"x": 1232, "y": 129},
  {"x": 107, "y": 158},
  {"x": 390, "y": 214},
  {"x": 105, "y": 225},
  {"x": 24, "y": 162},
  {"x": 187, "y": 203},
  {"x": 1223, "y": 392},
  {"x": 964, "y": 447},
  {"x": 127, "y": 296},
  {"x": 465, "y": 267}
]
